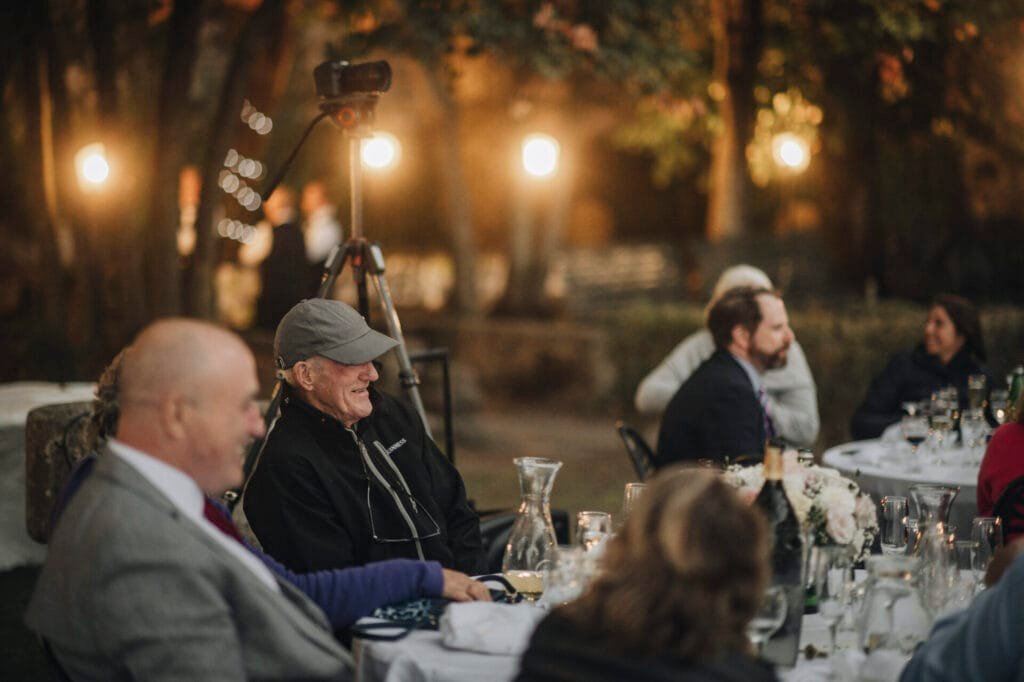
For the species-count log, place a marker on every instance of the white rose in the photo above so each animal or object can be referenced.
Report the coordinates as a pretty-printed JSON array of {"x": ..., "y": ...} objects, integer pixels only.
[
  {"x": 865, "y": 512},
  {"x": 841, "y": 527},
  {"x": 837, "y": 500}
]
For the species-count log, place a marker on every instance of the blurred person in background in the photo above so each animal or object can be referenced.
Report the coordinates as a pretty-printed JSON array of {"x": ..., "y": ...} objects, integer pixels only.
[
  {"x": 952, "y": 349},
  {"x": 320, "y": 229},
  {"x": 791, "y": 393},
  {"x": 286, "y": 277},
  {"x": 721, "y": 412},
  {"x": 672, "y": 600}
]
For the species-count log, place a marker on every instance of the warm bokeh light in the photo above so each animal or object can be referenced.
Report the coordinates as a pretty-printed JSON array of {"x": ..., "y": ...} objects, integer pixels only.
[
  {"x": 380, "y": 151},
  {"x": 92, "y": 166},
  {"x": 791, "y": 151},
  {"x": 540, "y": 155}
]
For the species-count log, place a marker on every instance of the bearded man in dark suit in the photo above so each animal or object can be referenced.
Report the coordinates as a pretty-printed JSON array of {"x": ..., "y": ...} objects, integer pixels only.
[{"x": 720, "y": 412}]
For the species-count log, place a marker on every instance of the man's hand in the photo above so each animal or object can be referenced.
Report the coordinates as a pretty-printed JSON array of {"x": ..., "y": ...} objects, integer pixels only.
[{"x": 460, "y": 587}]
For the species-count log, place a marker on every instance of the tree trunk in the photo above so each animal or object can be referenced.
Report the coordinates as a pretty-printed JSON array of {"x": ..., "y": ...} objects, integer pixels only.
[
  {"x": 112, "y": 210},
  {"x": 457, "y": 201},
  {"x": 201, "y": 302},
  {"x": 163, "y": 274},
  {"x": 737, "y": 29}
]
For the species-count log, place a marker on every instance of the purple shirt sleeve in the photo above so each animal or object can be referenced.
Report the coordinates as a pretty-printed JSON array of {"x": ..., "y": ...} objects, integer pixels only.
[{"x": 348, "y": 594}]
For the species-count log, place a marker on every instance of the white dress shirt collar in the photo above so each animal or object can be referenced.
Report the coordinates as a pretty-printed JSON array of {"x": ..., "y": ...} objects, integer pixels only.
[{"x": 188, "y": 498}]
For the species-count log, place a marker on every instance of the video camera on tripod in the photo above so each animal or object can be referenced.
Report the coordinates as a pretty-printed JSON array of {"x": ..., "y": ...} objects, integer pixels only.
[{"x": 349, "y": 92}]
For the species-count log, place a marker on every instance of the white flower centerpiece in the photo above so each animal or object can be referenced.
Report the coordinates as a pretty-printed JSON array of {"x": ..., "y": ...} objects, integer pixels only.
[{"x": 831, "y": 508}]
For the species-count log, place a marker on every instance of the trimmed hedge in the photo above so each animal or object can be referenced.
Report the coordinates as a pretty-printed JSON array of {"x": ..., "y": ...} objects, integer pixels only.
[{"x": 846, "y": 346}]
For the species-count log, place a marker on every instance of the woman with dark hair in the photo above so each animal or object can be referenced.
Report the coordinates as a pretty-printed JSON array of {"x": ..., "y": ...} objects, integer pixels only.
[
  {"x": 952, "y": 349},
  {"x": 677, "y": 587}
]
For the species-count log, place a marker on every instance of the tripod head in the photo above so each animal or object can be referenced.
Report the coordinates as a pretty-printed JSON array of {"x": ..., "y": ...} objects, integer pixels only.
[{"x": 354, "y": 113}]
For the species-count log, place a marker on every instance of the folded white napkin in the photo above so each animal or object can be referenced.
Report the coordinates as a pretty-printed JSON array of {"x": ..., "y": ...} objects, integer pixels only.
[{"x": 489, "y": 628}]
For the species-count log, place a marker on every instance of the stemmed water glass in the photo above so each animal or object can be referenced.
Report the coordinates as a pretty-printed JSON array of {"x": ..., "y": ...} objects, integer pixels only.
[
  {"x": 592, "y": 529},
  {"x": 894, "y": 530},
  {"x": 998, "y": 404},
  {"x": 987, "y": 536},
  {"x": 769, "y": 617},
  {"x": 630, "y": 497},
  {"x": 831, "y": 584}
]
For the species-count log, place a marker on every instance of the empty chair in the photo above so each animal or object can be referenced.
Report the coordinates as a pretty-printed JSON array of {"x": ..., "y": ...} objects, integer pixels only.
[{"x": 640, "y": 453}]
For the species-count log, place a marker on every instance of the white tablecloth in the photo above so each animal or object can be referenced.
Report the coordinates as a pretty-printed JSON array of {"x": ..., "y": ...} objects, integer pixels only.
[
  {"x": 883, "y": 468},
  {"x": 16, "y": 401},
  {"x": 422, "y": 657}
]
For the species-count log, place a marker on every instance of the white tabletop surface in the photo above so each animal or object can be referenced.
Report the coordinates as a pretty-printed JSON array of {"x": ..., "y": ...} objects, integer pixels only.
[
  {"x": 883, "y": 468},
  {"x": 422, "y": 657},
  {"x": 19, "y": 398}
]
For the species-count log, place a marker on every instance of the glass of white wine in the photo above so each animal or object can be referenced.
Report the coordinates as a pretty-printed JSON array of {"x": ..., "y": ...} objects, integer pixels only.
[{"x": 530, "y": 584}]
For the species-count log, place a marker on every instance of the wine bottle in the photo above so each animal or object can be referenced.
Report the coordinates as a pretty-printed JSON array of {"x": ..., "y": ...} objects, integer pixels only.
[
  {"x": 785, "y": 527},
  {"x": 787, "y": 558}
]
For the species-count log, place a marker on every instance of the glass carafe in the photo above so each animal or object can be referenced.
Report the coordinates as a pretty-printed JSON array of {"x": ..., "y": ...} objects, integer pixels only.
[
  {"x": 531, "y": 544},
  {"x": 892, "y": 616},
  {"x": 936, "y": 570}
]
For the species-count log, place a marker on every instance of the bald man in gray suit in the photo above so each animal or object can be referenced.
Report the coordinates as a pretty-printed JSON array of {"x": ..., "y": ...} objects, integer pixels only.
[{"x": 138, "y": 584}]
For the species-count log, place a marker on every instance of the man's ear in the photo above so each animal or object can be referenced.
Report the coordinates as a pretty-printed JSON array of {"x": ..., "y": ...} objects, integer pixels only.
[
  {"x": 172, "y": 415},
  {"x": 302, "y": 372},
  {"x": 741, "y": 337}
]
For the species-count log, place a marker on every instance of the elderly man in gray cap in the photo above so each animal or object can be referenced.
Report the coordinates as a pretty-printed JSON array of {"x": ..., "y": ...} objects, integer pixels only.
[{"x": 348, "y": 475}]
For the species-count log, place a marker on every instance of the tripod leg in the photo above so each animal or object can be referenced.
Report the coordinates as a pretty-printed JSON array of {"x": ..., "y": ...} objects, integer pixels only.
[{"x": 406, "y": 373}]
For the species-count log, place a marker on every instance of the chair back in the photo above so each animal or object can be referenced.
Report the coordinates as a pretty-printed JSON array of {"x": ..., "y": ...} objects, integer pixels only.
[
  {"x": 1010, "y": 507},
  {"x": 640, "y": 453}
]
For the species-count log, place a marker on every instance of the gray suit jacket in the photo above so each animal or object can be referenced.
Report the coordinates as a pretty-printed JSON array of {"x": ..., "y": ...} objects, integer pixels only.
[{"x": 133, "y": 590}]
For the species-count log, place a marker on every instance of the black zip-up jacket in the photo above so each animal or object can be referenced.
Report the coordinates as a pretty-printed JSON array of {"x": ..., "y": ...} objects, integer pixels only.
[
  {"x": 911, "y": 377},
  {"x": 323, "y": 496}
]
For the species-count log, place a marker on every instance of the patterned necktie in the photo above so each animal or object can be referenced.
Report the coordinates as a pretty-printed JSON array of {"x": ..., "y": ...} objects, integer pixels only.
[
  {"x": 769, "y": 427},
  {"x": 216, "y": 515}
]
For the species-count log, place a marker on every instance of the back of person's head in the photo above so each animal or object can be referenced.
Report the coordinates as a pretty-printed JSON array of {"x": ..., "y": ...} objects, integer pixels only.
[
  {"x": 741, "y": 275},
  {"x": 685, "y": 574},
  {"x": 966, "y": 320},
  {"x": 737, "y": 306}
]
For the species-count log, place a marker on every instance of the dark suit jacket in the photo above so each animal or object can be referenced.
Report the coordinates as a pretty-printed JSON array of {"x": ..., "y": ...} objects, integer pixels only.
[
  {"x": 714, "y": 414},
  {"x": 132, "y": 590}
]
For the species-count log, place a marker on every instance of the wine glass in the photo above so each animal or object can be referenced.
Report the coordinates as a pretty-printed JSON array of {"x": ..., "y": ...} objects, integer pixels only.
[
  {"x": 987, "y": 536},
  {"x": 769, "y": 617},
  {"x": 894, "y": 532},
  {"x": 830, "y": 583},
  {"x": 972, "y": 433},
  {"x": 915, "y": 430},
  {"x": 998, "y": 403},
  {"x": 592, "y": 529},
  {"x": 976, "y": 389},
  {"x": 630, "y": 497}
]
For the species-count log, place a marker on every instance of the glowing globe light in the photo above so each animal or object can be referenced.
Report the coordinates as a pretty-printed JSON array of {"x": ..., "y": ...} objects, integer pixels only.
[
  {"x": 540, "y": 155},
  {"x": 380, "y": 151},
  {"x": 791, "y": 151},
  {"x": 93, "y": 168}
]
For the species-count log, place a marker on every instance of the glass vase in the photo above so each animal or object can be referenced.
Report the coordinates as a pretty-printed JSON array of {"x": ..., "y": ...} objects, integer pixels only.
[{"x": 531, "y": 544}]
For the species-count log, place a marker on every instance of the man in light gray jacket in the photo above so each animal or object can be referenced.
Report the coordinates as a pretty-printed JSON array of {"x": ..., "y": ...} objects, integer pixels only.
[
  {"x": 139, "y": 582},
  {"x": 791, "y": 393}
]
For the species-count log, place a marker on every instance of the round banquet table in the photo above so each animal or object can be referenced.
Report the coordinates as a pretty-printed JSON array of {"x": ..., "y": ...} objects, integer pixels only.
[{"x": 883, "y": 467}]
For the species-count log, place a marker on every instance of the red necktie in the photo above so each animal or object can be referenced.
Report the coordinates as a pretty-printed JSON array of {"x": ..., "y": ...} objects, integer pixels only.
[{"x": 218, "y": 517}]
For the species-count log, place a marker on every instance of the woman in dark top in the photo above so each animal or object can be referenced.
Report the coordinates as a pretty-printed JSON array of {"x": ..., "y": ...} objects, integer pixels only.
[
  {"x": 677, "y": 587},
  {"x": 952, "y": 349}
]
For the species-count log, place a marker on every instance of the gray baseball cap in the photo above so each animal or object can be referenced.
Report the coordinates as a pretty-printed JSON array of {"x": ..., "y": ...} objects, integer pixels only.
[{"x": 320, "y": 326}]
